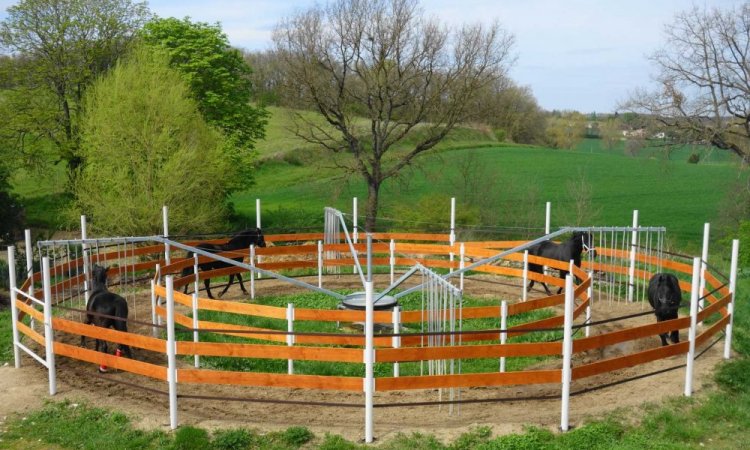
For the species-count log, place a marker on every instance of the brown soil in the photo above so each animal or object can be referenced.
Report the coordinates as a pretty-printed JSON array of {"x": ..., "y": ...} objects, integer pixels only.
[{"x": 26, "y": 388}]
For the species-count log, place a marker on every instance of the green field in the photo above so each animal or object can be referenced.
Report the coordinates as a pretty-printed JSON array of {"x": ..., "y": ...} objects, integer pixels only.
[{"x": 513, "y": 183}]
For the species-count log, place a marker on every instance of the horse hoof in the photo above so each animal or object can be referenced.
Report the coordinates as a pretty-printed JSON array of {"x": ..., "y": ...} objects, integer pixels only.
[{"x": 103, "y": 369}]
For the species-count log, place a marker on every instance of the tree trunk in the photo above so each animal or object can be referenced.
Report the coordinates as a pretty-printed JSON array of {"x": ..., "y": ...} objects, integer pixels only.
[{"x": 372, "y": 206}]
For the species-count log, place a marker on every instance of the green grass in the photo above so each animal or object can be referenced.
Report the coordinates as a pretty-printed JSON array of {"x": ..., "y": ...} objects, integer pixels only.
[
  {"x": 6, "y": 337},
  {"x": 674, "y": 194},
  {"x": 321, "y": 301}
]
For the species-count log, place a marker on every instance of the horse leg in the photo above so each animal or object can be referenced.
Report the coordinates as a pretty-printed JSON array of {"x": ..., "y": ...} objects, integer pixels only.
[
  {"x": 242, "y": 286},
  {"x": 207, "y": 284},
  {"x": 231, "y": 280},
  {"x": 83, "y": 337},
  {"x": 528, "y": 288},
  {"x": 563, "y": 274},
  {"x": 675, "y": 336}
]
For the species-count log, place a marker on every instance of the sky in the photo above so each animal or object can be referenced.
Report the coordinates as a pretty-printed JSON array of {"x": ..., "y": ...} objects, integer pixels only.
[{"x": 584, "y": 55}]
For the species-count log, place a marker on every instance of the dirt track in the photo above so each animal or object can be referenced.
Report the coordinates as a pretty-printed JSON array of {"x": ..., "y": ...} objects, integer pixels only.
[{"x": 26, "y": 388}]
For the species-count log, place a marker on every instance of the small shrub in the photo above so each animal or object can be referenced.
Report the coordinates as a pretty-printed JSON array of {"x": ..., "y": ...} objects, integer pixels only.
[
  {"x": 472, "y": 439},
  {"x": 694, "y": 158},
  {"x": 297, "y": 436},
  {"x": 191, "y": 438},
  {"x": 234, "y": 439},
  {"x": 500, "y": 135}
]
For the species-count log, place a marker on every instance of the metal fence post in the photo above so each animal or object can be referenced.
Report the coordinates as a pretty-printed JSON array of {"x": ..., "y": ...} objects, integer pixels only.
[
  {"x": 49, "y": 338},
  {"x": 633, "y": 243},
  {"x": 13, "y": 307},
  {"x": 732, "y": 290},
  {"x": 165, "y": 220},
  {"x": 693, "y": 325},
  {"x": 396, "y": 340},
  {"x": 704, "y": 264},
  {"x": 171, "y": 355},
  {"x": 290, "y": 336},
  {"x": 567, "y": 353},
  {"x": 503, "y": 328}
]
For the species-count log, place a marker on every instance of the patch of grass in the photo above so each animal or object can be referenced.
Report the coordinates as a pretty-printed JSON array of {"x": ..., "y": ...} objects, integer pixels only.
[
  {"x": 72, "y": 425},
  {"x": 6, "y": 337}
]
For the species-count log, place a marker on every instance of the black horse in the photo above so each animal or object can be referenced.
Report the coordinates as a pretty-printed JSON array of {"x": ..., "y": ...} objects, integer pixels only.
[
  {"x": 570, "y": 249},
  {"x": 665, "y": 296},
  {"x": 241, "y": 240},
  {"x": 101, "y": 301}
]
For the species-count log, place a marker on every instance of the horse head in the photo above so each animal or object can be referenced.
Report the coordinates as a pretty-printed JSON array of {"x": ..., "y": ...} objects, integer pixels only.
[
  {"x": 666, "y": 291},
  {"x": 587, "y": 242},
  {"x": 99, "y": 277}
]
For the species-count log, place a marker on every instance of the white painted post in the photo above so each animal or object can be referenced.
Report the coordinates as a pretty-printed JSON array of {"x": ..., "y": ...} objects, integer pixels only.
[
  {"x": 548, "y": 218},
  {"x": 165, "y": 220},
  {"x": 49, "y": 339},
  {"x": 257, "y": 224},
  {"x": 196, "y": 335},
  {"x": 452, "y": 237},
  {"x": 195, "y": 274},
  {"x": 633, "y": 243},
  {"x": 154, "y": 330},
  {"x": 320, "y": 264},
  {"x": 13, "y": 307},
  {"x": 693, "y": 325},
  {"x": 252, "y": 275},
  {"x": 30, "y": 270},
  {"x": 590, "y": 292},
  {"x": 29, "y": 260},
  {"x": 369, "y": 380},
  {"x": 171, "y": 355},
  {"x": 503, "y": 327},
  {"x": 290, "y": 336},
  {"x": 567, "y": 352},
  {"x": 524, "y": 294},
  {"x": 396, "y": 340},
  {"x": 392, "y": 259},
  {"x": 732, "y": 290},
  {"x": 355, "y": 229},
  {"x": 86, "y": 262},
  {"x": 461, "y": 265},
  {"x": 704, "y": 264}
]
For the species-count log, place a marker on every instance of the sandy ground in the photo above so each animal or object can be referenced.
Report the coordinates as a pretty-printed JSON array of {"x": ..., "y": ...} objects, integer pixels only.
[{"x": 26, "y": 388}]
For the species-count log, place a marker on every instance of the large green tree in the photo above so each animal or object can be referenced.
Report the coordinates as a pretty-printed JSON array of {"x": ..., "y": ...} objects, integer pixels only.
[
  {"x": 146, "y": 145},
  {"x": 58, "y": 48},
  {"x": 219, "y": 81}
]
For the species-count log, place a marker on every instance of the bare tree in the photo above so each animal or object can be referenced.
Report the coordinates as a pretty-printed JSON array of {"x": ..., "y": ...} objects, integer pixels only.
[
  {"x": 703, "y": 80},
  {"x": 379, "y": 72}
]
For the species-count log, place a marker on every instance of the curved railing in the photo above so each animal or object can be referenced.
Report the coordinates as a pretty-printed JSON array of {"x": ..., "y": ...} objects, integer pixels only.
[{"x": 294, "y": 252}]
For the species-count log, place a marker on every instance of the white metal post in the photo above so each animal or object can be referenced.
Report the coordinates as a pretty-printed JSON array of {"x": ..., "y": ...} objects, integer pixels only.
[
  {"x": 369, "y": 352},
  {"x": 396, "y": 340},
  {"x": 633, "y": 243},
  {"x": 13, "y": 307},
  {"x": 196, "y": 337},
  {"x": 730, "y": 307},
  {"x": 524, "y": 294},
  {"x": 693, "y": 325},
  {"x": 290, "y": 336},
  {"x": 320, "y": 264},
  {"x": 590, "y": 292},
  {"x": 30, "y": 270},
  {"x": 171, "y": 355},
  {"x": 257, "y": 224},
  {"x": 29, "y": 260},
  {"x": 704, "y": 264},
  {"x": 547, "y": 218},
  {"x": 369, "y": 381},
  {"x": 452, "y": 237},
  {"x": 154, "y": 329},
  {"x": 392, "y": 258},
  {"x": 49, "y": 339},
  {"x": 503, "y": 327},
  {"x": 461, "y": 265},
  {"x": 567, "y": 352},
  {"x": 165, "y": 220},
  {"x": 86, "y": 262},
  {"x": 252, "y": 275},
  {"x": 355, "y": 229}
]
